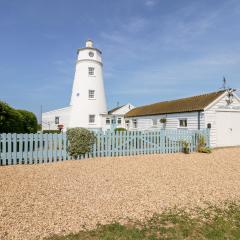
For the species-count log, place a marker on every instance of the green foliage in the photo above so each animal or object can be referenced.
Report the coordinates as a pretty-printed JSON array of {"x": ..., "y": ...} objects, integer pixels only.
[
  {"x": 51, "y": 131},
  {"x": 30, "y": 124},
  {"x": 11, "y": 121},
  {"x": 80, "y": 140},
  {"x": 205, "y": 150},
  {"x": 120, "y": 129},
  {"x": 186, "y": 148},
  {"x": 39, "y": 128},
  {"x": 212, "y": 222},
  {"x": 163, "y": 120},
  {"x": 201, "y": 147},
  {"x": 16, "y": 121}
]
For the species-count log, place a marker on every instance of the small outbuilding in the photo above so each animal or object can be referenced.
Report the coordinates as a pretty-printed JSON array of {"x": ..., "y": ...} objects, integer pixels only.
[{"x": 218, "y": 111}]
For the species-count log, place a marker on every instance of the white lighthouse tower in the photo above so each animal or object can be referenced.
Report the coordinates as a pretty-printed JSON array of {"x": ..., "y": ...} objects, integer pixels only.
[
  {"x": 88, "y": 108},
  {"x": 88, "y": 98}
]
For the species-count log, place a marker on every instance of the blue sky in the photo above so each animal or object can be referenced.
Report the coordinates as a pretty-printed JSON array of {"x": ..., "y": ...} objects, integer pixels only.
[{"x": 153, "y": 50}]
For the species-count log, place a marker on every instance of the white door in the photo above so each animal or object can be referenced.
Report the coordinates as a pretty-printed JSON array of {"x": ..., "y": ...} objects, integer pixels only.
[{"x": 228, "y": 129}]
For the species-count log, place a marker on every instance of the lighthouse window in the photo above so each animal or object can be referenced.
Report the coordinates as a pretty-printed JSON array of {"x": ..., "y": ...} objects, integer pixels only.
[
  {"x": 91, "y": 118},
  {"x": 91, "y": 94},
  {"x": 56, "y": 120},
  {"x": 91, "y": 71}
]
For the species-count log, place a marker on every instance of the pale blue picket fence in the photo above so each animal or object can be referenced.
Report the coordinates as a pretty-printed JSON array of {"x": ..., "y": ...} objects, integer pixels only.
[{"x": 45, "y": 148}]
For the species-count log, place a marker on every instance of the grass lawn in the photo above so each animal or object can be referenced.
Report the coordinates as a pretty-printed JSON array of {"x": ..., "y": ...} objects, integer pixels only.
[{"x": 209, "y": 223}]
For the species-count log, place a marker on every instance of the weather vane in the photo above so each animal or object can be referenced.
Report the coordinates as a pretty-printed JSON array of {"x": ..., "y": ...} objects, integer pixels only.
[{"x": 224, "y": 83}]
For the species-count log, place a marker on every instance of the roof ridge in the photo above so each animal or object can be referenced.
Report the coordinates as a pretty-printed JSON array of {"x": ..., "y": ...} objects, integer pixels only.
[
  {"x": 180, "y": 99},
  {"x": 187, "y": 104}
]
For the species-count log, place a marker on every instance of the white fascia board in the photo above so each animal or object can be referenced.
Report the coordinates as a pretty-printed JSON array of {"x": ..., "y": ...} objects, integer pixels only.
[
  {"x": 215, "y": 101},
  {"x": 57, "y": 110},
  {"x": 236, "y": 96}
]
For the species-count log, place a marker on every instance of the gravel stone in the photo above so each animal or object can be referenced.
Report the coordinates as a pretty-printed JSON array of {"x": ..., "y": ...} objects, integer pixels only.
[{"x": 40, "y": 200}]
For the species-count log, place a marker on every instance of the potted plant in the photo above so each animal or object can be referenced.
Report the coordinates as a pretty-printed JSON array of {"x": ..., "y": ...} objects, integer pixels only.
[
  {"x": 163, "y": 121},
  {"x": 186, "y": 149}
]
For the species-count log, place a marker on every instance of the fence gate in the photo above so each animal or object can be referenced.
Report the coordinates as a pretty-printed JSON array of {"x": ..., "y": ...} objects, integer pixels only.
[{"x": 45, "y": 148}]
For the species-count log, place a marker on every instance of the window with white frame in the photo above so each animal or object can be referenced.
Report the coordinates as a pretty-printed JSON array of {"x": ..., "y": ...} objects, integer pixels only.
[
  {"x": 119, "y": 121},
  {"x": 91, "y": 71},
  {"x": 91, "y": 94},
  {"x": 107, "y": 121},
  {"x": 91, "y": 118},
  {"x": 134, "y": 123},
  {"x": 57, "y": 120},
  {"x": 183, "y": 123}
]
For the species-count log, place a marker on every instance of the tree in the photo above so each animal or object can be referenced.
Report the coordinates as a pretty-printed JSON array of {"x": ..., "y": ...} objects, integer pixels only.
[
  {"x": 16, "y": 121},
  {"x": 30, "y": 124},
  {"x": 11, "y": 120}
]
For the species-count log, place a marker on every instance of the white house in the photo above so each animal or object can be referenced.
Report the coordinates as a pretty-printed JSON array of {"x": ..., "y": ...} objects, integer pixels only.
[
  {"x": 218, "y": 111},
  {"x": 88, "y": 107},
  {"x": 115, "y": 117}
]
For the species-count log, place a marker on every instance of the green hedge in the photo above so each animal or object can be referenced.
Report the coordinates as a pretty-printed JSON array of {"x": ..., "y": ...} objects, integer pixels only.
[
  {"x": 51, "y": 131},
  {"x": 16, "y": 121},
  {"x": 120, "y": 129}
]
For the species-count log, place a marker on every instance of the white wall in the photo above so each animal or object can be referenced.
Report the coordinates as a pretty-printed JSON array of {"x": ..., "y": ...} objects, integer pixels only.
[
  {"x": 146, "y": 122},
  {"x": 111, "y": 126},
  {"x": 123, "y": 110},
  {"x": 48, "y": 119},
  {"x": 210, "y": 116},
  {"x": 118, "y": 114},
  {"x": 81, "y": 105}
]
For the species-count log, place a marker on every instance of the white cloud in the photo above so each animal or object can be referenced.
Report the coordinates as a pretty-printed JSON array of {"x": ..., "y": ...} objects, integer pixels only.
[{"x": 150, "y": 3}]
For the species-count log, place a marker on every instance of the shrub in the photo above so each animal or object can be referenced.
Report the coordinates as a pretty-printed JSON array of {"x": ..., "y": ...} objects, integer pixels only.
[
  {"x": 201, "y": 147},
  {"x": 120, "y": 129},
  {"x": 205, "y": 150},
  {"x": 11, "y": 121},
  {"x": 80, "y": 140},
  {"x": 186, "y": 147},
  {"x": 51, "y": 131},
  {"x": 30, "y": 124}
]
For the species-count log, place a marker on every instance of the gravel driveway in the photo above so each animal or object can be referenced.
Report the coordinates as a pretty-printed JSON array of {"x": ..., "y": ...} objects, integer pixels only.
[{"x": 38, "y": 200}]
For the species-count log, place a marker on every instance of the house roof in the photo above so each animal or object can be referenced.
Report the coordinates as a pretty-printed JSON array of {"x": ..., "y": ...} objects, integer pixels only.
[
  {"x": 190, "y": 104},
  {"x": 115, "y": 109}
]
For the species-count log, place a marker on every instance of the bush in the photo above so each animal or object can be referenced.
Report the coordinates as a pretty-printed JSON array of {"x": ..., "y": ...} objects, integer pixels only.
[
  {"x": 186, "y": 148},
  {"x": 201, "y": 147},
  {"x": 120, "y": 129},
  {"x": 11, "y": 121},
  {"x": 80, "y": 140},
  {"x": 16, "y": 121},
  {"x": 30, "y": 124},
  {"x": 51, "y": 131},
  {"x": 205, "y": 150}
]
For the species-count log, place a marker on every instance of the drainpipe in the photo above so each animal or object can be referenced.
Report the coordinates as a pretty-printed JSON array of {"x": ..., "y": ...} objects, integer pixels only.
[{"x": 199, "y": 126}]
